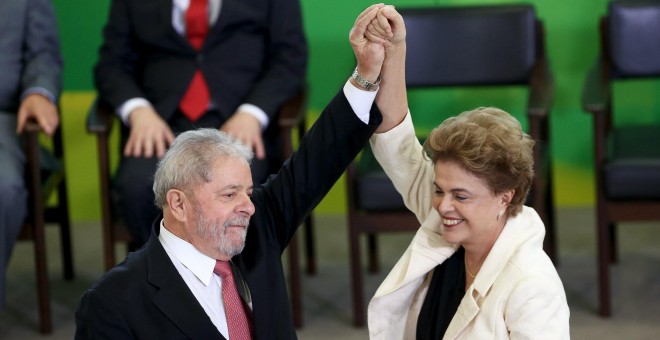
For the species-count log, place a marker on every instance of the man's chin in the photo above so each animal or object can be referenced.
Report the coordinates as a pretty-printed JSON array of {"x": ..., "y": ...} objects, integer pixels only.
[
  {"x": 234, "y": 246},
  {"x": 234, "y": 250}
]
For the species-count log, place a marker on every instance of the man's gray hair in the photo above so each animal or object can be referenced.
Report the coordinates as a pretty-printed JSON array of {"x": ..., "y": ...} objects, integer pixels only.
[{"x": 189, "y": 160}]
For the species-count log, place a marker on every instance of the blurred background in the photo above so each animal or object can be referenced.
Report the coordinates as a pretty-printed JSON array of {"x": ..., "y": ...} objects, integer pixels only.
[{"x": 571, "y": 40}]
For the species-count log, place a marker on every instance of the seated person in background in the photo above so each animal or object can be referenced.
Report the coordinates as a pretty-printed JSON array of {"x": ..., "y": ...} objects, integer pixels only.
[
  {"x": 212, "y": 267},
  {"x": 476, "y": 268},
  {"x": 31, "y": 68},
  {"x": 172, "y": 66}
]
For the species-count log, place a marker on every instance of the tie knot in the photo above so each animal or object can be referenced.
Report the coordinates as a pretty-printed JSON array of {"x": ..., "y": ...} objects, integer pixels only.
[{"x": 222, "y": 268}]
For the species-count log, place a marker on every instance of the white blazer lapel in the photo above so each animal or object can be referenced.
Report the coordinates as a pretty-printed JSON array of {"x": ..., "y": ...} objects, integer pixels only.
[
  {"x": 389, "y": 308},
  {"x": 517, "y": 230},
  {"x": 466, "y": 312}
]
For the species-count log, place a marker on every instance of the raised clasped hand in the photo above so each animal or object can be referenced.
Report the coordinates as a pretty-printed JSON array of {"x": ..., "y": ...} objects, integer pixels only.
[
  {"x": 387, "y": 28},
  {"x": 369, "y": 51}
]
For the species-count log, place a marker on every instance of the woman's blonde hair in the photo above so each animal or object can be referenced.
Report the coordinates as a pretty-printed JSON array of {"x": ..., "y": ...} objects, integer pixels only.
[{"x": 490, "y": 144}]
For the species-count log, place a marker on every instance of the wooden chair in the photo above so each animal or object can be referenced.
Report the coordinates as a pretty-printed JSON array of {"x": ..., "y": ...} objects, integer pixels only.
[
  {"x": 451, "y": 47},
  {"x": 291, "y": 117},
  {"x": 44, "y": 177},
  {"x": 626, "y": 156}
]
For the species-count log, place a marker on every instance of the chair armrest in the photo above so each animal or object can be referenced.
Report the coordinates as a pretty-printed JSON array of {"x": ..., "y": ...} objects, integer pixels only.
[
  {"x": 292, "y": 112},
  {"x": 292, "y": 115},
  {"x": 46, "y": 168},
  {"x": 32, "y": 130},
  {"x": 31, "y": 126},
  {"x": 100, "y": 117},
  {"x": 596, "y": 92},
  {"x": 542, "y": 87}
]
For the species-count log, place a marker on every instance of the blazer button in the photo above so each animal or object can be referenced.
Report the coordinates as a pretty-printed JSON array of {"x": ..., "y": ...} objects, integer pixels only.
[{"x": 200, "y": 59}]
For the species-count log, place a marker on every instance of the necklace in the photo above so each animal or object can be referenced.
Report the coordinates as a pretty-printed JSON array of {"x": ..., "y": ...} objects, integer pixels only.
[{"x": 468, "y": 270}]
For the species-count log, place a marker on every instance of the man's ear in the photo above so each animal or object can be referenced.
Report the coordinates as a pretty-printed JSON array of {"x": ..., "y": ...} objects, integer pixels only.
[{"x": 178, "y": 203}]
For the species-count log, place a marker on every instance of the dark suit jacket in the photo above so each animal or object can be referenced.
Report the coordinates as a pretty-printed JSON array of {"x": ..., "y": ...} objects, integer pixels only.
[
  {"x": 146, "y": 298},
  {"x": 29, "y": 51},
  {"x": 255, "y": 53}
]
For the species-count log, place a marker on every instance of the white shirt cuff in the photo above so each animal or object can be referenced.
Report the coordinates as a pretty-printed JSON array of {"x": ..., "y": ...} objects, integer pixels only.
[
  {"x": 256, "y": 112},
  {"x": 360, "y": 100},
  {"x": 124, "y": 111}
]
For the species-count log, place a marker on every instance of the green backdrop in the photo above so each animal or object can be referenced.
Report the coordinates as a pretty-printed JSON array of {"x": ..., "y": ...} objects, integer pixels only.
[{"x": 572, "y": 44}]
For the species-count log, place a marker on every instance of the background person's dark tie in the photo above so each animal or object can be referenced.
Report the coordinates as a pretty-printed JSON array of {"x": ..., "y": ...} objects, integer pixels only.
[
  {"x": 197, "y": 98},
  {"x": 237, "y": 321}
]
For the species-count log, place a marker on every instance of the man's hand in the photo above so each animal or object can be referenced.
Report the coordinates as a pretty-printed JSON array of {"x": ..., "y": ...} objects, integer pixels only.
[
  {"x": 246, "y": 128},
  {"x": 388, "y": 26},
  {"x": 42, "y": 110},
  {"x": 149, "y": 135},
  {"x": 369, "y": 51}
]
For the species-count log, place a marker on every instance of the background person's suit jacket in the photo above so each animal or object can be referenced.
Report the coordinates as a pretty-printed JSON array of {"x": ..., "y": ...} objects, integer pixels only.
[
  {"x": 255, "y": 53},
  {"x": 30, "y": 52}
]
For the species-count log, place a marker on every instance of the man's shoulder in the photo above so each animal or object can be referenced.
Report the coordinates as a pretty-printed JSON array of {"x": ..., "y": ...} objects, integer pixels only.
[{"x": 129, "y": 272}]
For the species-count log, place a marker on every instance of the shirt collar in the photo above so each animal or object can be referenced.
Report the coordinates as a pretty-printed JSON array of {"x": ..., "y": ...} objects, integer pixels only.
[{"x": 198, "y": 263}]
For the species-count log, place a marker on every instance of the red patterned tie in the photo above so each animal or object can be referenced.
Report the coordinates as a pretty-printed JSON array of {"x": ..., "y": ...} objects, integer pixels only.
[
  {"x": 237, "y": 321},
  {"x": 197, "y": 98}
]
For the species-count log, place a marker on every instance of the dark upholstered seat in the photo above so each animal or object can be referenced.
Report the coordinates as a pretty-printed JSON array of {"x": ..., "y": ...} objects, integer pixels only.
[{"x": 633, "y": 169}]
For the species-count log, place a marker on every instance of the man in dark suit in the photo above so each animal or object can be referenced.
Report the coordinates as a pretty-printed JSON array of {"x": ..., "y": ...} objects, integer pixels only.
[
  {"x": 31, "y": 68},
  {"x": 168, "y": 66},
  {"x": 213, "y": 216}
]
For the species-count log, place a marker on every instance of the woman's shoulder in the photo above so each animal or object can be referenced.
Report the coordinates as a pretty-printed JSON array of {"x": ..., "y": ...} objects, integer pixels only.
[{"x": 532, "y": 270}]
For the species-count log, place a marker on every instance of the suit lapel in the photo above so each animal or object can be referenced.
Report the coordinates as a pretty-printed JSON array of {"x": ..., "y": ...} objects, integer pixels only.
[
  {"x": 165, "y": 14},
  {"x": 227, "y": 11},
  {"x": 173, "y": 297}
]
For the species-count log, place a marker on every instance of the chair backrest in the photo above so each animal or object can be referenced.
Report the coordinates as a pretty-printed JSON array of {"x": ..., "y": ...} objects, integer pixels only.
[
  {"x": 633, "y": 33},
  {"x": 470, "y": 45}
]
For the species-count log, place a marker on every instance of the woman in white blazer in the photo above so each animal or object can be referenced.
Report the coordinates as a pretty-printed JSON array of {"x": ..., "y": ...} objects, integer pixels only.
[{"x": 476, "y": 268}]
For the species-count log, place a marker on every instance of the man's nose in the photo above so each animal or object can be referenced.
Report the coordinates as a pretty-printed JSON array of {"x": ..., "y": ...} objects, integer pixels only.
[{"x": 247, "y": 206}]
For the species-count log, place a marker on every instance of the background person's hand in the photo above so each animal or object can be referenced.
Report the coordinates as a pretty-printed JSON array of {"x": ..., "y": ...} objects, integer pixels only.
[
  {"x": 42, "y": 110},
  {"x": 247, "y": 129},
  {"x": 150, "y": 135}
]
